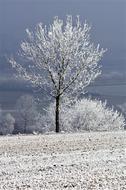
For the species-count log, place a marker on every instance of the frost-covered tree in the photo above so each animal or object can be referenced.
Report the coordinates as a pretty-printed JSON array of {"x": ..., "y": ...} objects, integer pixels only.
[
  {"x": 27, "y": 114},
  {"x": 86, "y": 115},
  {"x": 94, "y": 115},
  {"x": 123, "y": 108},
  {"x": 61, "y": 60},
  {"x": 0, "y": 113},
  {"x": 0, "y": 117},
  {"x": 7, "y": 124}
]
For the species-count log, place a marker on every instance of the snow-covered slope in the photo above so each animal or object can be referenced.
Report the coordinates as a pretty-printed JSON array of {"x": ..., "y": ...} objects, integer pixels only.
[{"x": 89, "y": 161}]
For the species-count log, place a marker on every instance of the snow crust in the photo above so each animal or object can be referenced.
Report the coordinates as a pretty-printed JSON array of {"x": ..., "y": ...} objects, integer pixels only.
[{"x": 87, "y": 161}]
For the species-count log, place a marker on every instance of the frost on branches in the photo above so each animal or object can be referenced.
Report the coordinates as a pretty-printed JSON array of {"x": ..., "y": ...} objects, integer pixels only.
[
  {"x": 7, "y": 124},
  {"x": 86, "y": 115},
  {"x": 61, "y": 60},
  {"x": 27, "y": 115}
]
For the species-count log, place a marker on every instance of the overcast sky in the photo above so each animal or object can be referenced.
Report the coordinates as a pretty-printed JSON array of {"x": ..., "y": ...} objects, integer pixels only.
[{"x": 107, "y": 17}]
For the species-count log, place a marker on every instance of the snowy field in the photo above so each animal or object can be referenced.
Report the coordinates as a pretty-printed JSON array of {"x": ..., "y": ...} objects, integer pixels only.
[{"x": 89, "y": 161}]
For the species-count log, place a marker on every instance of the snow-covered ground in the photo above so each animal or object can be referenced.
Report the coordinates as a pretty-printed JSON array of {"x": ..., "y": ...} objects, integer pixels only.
[{"x": 89, "y": 161}]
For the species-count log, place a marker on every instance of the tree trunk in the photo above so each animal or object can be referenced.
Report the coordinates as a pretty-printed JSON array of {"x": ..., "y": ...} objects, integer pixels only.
[
  {"x": 25, "y": 125},
  {"x": 57, "y": 114}
]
